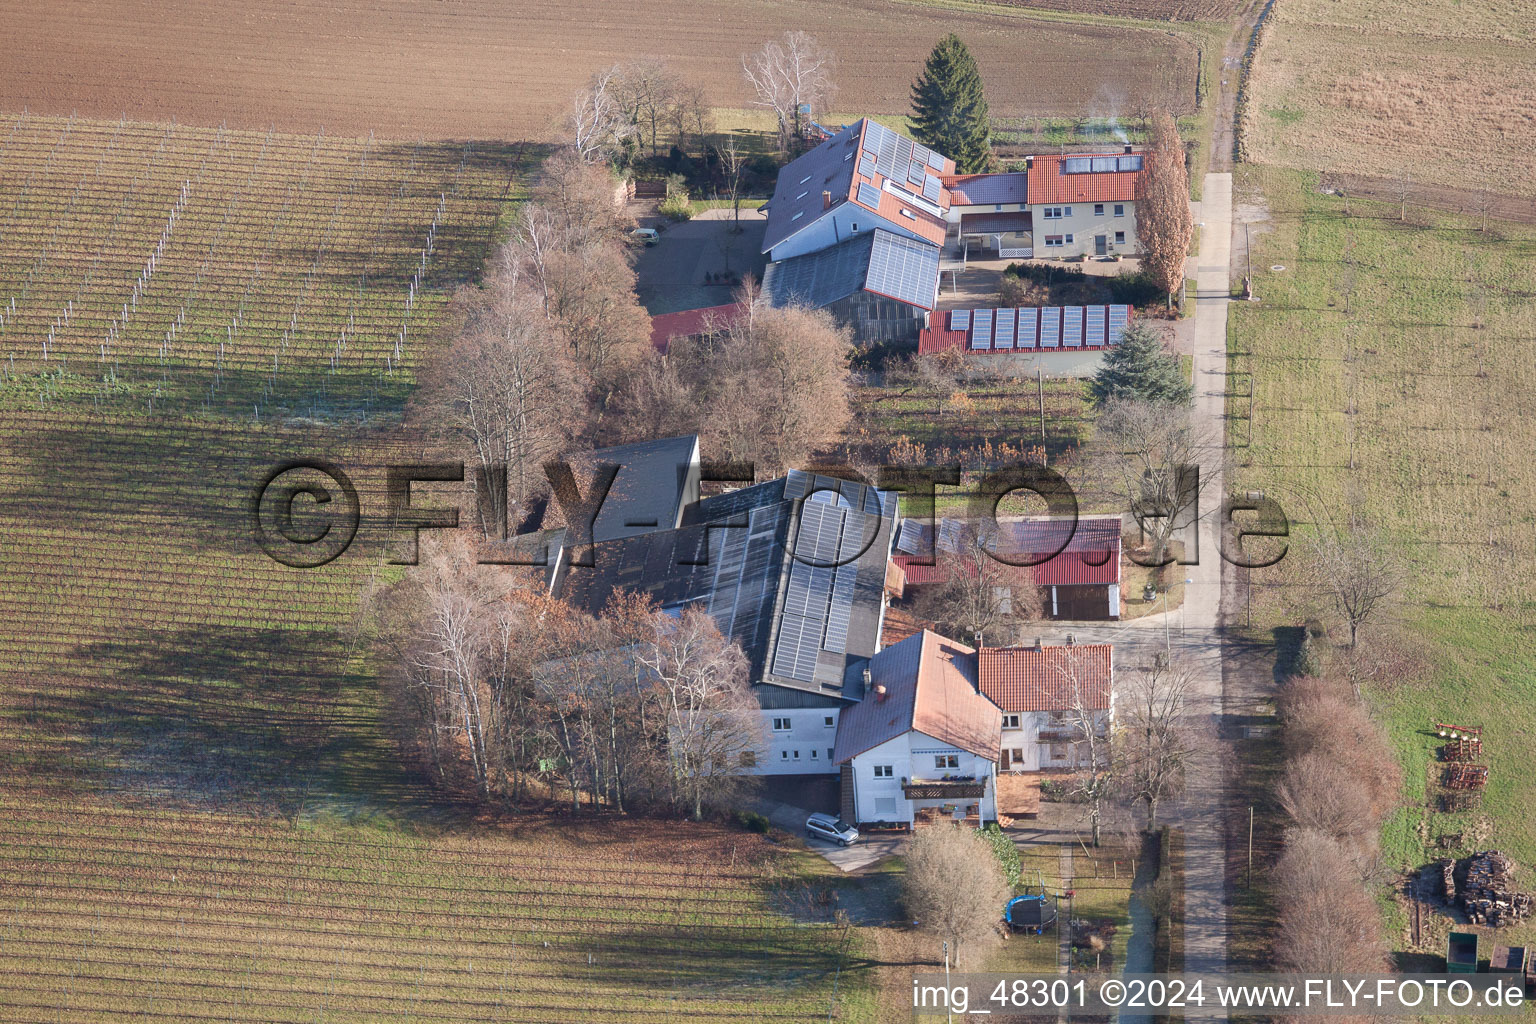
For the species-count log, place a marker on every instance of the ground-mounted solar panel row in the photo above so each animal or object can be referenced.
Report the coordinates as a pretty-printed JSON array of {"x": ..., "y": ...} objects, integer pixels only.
[{"x": 1036, "y": 328}]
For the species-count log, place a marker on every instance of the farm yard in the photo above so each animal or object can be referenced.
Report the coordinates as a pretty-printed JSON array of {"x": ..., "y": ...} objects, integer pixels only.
[
  {"x": 107, "y": 914},
  {"x": 1437, "y": 93},
  {"x": 228, "y": 272},
  {"x": 480, "y": 70}
]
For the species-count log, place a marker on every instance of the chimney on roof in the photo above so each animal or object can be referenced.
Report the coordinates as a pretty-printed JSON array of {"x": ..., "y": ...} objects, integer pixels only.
[
  {"x": 1071, "y": 639},
  {"x": 866, "y": 679},
  {"x": 1128, "y": 148},
  {"x": 1029, "y": 162},
  {"x": 1039, "y": 643},
  {"x": 826, "y": 200},
  {"x": 880, "y": 692}
]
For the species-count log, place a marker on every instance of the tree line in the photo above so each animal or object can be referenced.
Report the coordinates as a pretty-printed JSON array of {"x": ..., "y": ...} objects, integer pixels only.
[{"x": 495, "y": 686}]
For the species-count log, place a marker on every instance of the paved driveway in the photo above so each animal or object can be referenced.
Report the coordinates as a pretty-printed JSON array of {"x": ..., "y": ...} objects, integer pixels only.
[
  {"x": 670, "y": 274},
  {"x": 867, "y": 852}
]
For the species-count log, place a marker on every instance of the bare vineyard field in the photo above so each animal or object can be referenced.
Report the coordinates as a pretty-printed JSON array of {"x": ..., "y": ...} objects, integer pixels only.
[
  {"x": 231, "y": 271},
  {"x": 107, "y": 915},
  {"x": 478, "y": 69},
  {"x": 1435, "y": 92}
]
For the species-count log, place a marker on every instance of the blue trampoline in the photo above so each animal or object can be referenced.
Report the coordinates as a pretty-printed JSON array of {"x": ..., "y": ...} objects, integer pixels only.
[{"x": 1032, "y": 912}]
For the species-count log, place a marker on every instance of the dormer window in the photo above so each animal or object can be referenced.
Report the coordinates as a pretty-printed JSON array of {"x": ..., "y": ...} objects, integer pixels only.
[{"x": 805, "y": 179}]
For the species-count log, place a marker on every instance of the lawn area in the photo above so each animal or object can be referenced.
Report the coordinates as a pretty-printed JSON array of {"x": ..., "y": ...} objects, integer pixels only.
[{"x": 1392, "y": 374}]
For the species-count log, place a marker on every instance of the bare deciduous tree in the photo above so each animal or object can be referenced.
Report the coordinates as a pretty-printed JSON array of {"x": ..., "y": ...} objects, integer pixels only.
[
  {"x": 982, "y": 598},
  {"x": 954, "y": 886},
  {"x": 712, "y": 721},
  {"x": 1149, "y": 455},
  {"x": 1328, "y": 921},
  {"x": 1164, "y": 225},
  {"x": 1154, "y": 738},
  {"x": 1356, "y": 567},
  {"x": 597, "y": 126},
  {"x": 787, "y": 74}
]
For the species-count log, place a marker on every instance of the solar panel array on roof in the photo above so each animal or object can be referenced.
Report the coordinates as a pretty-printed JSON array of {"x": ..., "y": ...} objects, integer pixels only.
[
  {"x": 1076, "y": 165},
  {"x": 746, "y": 564},
  {"x": 935, "y": 160},
  {"x": 981, "y": 328},
  {"x": 1103, "y": 163},
  {"x": 960, "y": 320},
  {"x": 903, "y": 269},
  {"x": 1130, "y": 163},
  {"x": 1093, "y": 333},
  {"x": 916, "y": 172},
  {"x": 1003, "y": 333},
  {"x": 867, "y": 164},
  {"x": 1050, "y": 327},
  {"x": 931, "y": 189},
  {"x": 1029, "y": 327},
  {"x": 1119, "y": 316},
  {"x": 869, "y": 195},
  {"x": 1072, "y": 327}
]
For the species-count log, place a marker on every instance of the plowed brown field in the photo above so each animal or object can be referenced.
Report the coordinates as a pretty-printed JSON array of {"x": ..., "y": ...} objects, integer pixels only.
[{"x": 482, "y": 69}]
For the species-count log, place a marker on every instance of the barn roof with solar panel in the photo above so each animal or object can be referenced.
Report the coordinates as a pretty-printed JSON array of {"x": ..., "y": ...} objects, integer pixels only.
[
  {"x": 793, "y": 570},
  {"x": 864, "y": 177},
  {"x": 879, "y": 262}
]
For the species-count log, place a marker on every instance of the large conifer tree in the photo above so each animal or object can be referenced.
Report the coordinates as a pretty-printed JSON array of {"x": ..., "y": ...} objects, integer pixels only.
[
  {"x": 1139, "y": 368},
  {"x": 949, "y": 111}
]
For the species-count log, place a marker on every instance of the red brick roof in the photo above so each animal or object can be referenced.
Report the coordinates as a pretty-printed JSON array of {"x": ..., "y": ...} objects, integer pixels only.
[
  {"x": 1047, "y": 184},
  {"x": 936, "y": 339},
  {"x": 1046, "y": 679},
  {"x": 691, "y": 322}
]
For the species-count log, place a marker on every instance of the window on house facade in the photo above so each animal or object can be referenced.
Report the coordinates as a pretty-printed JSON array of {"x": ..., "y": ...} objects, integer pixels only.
[
  {"x": 781, "y": 725},
  {"x": 885, "y": 805},
  {"x": 1098, "y": 209},
  {"x": 1010, "y": 721},
  {"x": 1051, "y": 241},
  {"x": 1013, "y": 757},
  {"x": 797, "y": 755},
  {"x": 946, "y": 761},
  {"x": 829, "y": 721},
  {"x": 815, "y": 753},
  {"x": 783, "y": 755},
  {"x": 1119, "y": 237},
  {"x": 1058, "y": 752},
  {"x": 829, "y": 753},
  {"x": 997, "y": 208},
  {"x": 1069, "y": 239},
  {"x": 854, "y": 227},
  {"x": 1119, "y": 209},
  {"x": 884, "y": 771},
  {"x": 1053, "y": 213}
]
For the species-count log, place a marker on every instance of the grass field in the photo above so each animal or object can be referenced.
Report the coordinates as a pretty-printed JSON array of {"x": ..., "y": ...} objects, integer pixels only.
[
  {"x": 1438, "y": 91},
  {"x": 477, "y": 69},
  {"x": 1390, "y": 371}
]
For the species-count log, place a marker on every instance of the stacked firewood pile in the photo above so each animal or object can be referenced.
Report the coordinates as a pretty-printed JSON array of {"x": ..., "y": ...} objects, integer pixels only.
[
  {"x": 1447, "y": 868},
  {"x": 1487, "y": 890}
]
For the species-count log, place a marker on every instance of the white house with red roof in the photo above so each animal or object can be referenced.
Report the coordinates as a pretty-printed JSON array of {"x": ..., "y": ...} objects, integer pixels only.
[
  {"x": 1084, "y": 204},
  {"x": 923, "y": 743},
  {"x": 1044, "y": 694}
]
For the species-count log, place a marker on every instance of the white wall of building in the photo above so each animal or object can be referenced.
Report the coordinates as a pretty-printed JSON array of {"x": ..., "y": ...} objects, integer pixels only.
[
  {"x": 839, "y": 224},
  {"x": 1022, "y": 750},
  {"x": 878, "y": 796},
  {"x": 804, "y": 748},
  {"x": 1085, "y": 221}
]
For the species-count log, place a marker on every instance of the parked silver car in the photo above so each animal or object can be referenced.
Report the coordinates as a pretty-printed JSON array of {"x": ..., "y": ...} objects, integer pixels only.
[{"x": 833, "y": 830}]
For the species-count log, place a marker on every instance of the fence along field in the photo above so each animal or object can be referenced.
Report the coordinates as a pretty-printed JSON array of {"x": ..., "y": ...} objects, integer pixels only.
[{"x": 231, "y": 272}]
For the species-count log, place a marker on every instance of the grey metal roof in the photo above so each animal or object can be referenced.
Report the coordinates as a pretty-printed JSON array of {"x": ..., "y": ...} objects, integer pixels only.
[
  {"x": 793, "y": 570},
  {"x": 649, "y": 490},
  {"x": 980, "y": 189},
  {"x": 901, "y": 268},
  {"x": 797, "y": 201}
]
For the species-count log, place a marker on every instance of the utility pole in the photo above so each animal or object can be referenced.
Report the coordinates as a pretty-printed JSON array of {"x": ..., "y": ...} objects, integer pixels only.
[
  {"x": 949, "y": 1016},
  {"x": 1250, "y": 846}
]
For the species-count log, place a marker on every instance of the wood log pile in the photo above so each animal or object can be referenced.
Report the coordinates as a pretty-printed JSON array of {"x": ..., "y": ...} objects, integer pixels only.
[
  {"x": 1447, "y": 868},
  {"x": 1488, "y": 895}
]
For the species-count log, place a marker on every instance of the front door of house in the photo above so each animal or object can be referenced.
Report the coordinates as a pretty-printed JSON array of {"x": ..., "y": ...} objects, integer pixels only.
[{"x": 1100, "y": 245}]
